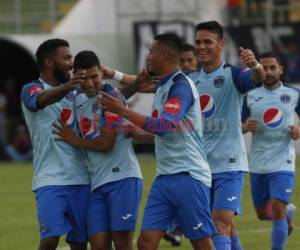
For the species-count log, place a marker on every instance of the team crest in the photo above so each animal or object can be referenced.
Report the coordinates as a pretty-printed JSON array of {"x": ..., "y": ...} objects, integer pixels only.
[
  {"x": 219, "y": 81},
  {"x": 285, "y": 98}
]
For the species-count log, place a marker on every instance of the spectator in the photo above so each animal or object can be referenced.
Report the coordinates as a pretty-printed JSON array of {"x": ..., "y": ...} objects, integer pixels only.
[{"x": 20, "y": 148}]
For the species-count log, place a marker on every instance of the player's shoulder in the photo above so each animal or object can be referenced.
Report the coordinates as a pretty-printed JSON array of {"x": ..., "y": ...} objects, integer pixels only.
[
  {"x": 34, "y": 83},
  {"x": 291, "y": 88},
  {"x": 192, "y": 73},
  {"x": 180, "y": 77}
]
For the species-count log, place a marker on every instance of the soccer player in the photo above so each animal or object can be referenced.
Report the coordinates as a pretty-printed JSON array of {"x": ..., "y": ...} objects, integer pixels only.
[
  {"x": 221, "y": 88},
  {"x": 181, "y": 161},
  {"x": 60, "y": 176},
  {"x": 188, "y": 62},
  {"x": 116, "y": 179},
  {"x": 268, "y": 113},
  {"x": 188, "y": 59}
]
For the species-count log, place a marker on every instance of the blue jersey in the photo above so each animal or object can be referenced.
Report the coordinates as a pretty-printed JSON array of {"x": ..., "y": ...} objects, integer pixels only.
[
  {"x": 55, "y": 162},
  {"x": 221, "y": 97},
  {"x": 180, "y": 148},
  {"x": 272, "y": 148},
  {"x": 120, "y": 162}
]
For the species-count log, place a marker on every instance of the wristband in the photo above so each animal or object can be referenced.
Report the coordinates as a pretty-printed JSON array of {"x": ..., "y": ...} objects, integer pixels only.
[
  {"x": 256, "y": 66},
  {"x": 118, "y": 76}
]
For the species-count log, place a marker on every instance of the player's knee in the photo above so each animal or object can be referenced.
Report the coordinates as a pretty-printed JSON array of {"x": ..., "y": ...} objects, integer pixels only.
[
  {"x": 223, "y": 225},
  {"x": 123, "y": 241},
  {"x": 49, "y": 244},
  {"x": 278, "y": 209},
  {"x": 144, "y": 242}
]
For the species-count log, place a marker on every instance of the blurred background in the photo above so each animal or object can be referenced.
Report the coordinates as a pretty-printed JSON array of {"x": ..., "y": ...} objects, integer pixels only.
[{"x": 120, "y": 31}]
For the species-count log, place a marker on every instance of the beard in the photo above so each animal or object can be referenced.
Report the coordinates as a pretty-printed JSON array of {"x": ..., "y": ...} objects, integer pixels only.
[{"x": 61, "y": 75}]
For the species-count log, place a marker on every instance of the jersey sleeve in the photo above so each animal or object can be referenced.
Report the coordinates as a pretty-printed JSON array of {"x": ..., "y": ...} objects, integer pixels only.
[
  {"x": 242, "y": 79},
  {"x": 179, "y": 100},
  {"x": 297, "y": 109},
  {"x": 245, "y": 110},
  {"x": 29, "y": 95},
  {"x": 109, "y": 119}
]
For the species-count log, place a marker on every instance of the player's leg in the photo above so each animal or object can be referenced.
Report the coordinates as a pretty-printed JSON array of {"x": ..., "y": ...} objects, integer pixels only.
[
  {"x": 98, "y": 221},
  {"x": 261, "y": 196},
  {"x": 227, "y": 189},
  {"x": 280, "y": 186},
  {"x": 193, "y": 211},
  {"x": 51, "y": 209},
  {"x": 123, "y": 199},
  {"x": 157, "y": 215},
  {"x": 235, "y": 238},
  {"x": 78, "y": 200},
  {"x": 101, "y": 241}
]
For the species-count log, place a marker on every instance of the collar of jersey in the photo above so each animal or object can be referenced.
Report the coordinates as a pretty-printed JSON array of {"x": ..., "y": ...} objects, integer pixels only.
[
  {"x": 279, "y": 87},
  {"x": 220, "y": 66},
  {"x": 163, "y": 80}
]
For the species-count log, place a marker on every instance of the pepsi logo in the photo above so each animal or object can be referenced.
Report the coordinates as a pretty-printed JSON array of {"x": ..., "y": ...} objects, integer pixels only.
[
  {"x": 208, "y": 106},
  {"x": 87, "y": 127},
  {"x": 66, "y": 117},
  {"x": 273, "y": 117},
  {"x": 173, "y": 105},
  {"x": 34, "y": 89}
]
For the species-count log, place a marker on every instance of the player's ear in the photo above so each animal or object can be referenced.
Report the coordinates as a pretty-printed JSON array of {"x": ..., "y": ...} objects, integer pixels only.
[{"x": 48, "y": 62}]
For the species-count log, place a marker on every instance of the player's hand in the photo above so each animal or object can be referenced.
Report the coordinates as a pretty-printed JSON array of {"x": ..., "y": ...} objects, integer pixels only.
[
  {"x": 108, "y": 72},
  {"x": 247, "y": 57},
  {"x": 145, "y": 83},
  {"x": 294, "y": 132},
  {"x": 76, "y": 80},
  {"x": 110, "y": 103},
  {"x": 251, "y": 125},
  {"x": 64, "y": 133}
]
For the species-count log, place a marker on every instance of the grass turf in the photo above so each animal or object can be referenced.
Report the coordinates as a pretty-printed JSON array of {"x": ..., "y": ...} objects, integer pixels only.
[{"x": 19, "y": 229}]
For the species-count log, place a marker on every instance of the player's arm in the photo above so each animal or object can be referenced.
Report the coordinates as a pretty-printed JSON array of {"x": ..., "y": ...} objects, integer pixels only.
[
  {"x": 180, "y": 95},
  {"x": 247, "y": 57},
  {"x": 103, "y": 143},
  {"x": 295, "y": 129},
  {"x": 138, "y": 134},
  {"x": 53, "y": 95},
  {"x": 248, "y": 124},
  {"x": 131, "y": 84}
]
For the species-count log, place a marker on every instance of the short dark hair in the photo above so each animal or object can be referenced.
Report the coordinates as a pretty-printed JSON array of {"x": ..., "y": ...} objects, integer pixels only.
[
  {"x": 271, "y": 54},
  {"x": 48, "y": 48},
  {"x": 86, "y": 59},
  {"x": 212, "y": 26},
  {"x": 171, "y": 40},
  {"x": 188, "y": 47}
]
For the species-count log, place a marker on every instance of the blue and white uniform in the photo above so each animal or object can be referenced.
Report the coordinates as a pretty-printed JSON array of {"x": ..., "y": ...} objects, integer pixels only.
[
  {"x": 116, "y": 179},
  {"x": 272, "y": 155},
  {"x": 221, "y": 97},
  {"x": 60, "y": 175},
  {"x": 181, "y": 161}
]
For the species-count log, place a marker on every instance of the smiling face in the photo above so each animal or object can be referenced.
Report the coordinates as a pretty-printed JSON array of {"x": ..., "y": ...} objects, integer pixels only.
[
  {"x": 62, "y": 64},
  {"x": 92, "y": 82},
  {"x": 209, "y": 47},
  {"x": 273, "y": 70}
]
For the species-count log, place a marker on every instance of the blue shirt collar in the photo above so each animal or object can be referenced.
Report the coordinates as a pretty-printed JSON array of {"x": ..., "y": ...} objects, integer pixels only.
[{"x": 163, "y": 80}]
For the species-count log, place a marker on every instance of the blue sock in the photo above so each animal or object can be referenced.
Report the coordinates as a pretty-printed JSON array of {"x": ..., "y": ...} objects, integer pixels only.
[
  {"x": 221, "y": 242},
  {"x": 236, "y": 243},
  {"x": 279, "y": 234},
  {"x": 289, "y": 214}
]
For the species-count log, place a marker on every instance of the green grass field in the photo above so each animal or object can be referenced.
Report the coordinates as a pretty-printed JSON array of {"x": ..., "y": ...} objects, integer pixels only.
[{"x": 19, "y": 230}]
